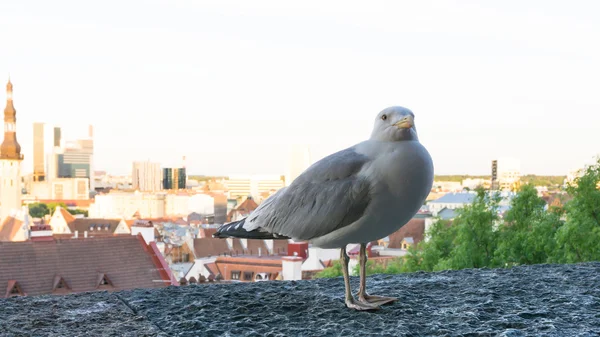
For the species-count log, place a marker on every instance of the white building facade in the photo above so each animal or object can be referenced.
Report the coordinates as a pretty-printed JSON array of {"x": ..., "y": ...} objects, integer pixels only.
[
  {"x": 146, "y": 176},
  {"x": 240, "y": 187}
]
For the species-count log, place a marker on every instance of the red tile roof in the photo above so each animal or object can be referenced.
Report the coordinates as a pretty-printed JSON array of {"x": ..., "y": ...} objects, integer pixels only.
[
  {"x": 94, "y": 227},
  {"x": 244, "y": 209},
  {"x": 415, "y": 228},
  {"x": 209, "y": 246},
  {"x": 254, "y": 245},
  {"x": 280, "y": 247},
  {"x": 9, "y": 228},
  {"x": 212, "y": 268},
  {"x": 271, "y": 265},
  {"x": 237, "y": 247},
  {"x": 206, "y": 247},
  {"x": 180, "y": 221},
  {"x": 130, "y": 222},
  {"x": 126, "y": 261},
  {"x": 162, "y": 220},
  {"x": 206, "y": 232},
  {"x": 66, "y": 215}
]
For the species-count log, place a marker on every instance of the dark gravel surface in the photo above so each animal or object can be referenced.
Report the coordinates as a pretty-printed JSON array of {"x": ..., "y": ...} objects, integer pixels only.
[{"x": 543, "y": 300}]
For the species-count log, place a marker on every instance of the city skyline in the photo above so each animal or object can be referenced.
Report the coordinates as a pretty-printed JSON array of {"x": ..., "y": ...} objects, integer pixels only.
[
  {"x": 294, "y": 148},
  {"x": 222, "y": 75}
]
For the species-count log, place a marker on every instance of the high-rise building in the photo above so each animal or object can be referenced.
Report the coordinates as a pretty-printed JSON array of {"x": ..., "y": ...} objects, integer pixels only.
[
  {"x": 57, "y": 137},
  {"x": 52, "y": 164},
  {"x": 174, "y": 178},
  {"x": 39, "y": 171},
  {"x": 146, "y": 176},
  {"x": 10, "y": 160},
  {"x": 87, "y": 145},
  {"x": 506, "y": 174},
  {"x": 74, "y": 161},
  {"x": 43, "y": 144},
  {"x": 71, "y": 159}
]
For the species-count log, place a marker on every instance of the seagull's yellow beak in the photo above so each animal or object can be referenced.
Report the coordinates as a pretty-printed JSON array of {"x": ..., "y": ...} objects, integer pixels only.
[{"x": 405, "y": 123}]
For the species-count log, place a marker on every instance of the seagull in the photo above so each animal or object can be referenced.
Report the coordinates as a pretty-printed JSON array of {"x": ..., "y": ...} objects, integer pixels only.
[{"x": 355, "y": 196}]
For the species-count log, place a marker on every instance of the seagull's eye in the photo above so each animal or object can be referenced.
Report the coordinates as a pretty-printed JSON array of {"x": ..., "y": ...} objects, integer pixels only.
[{"x": 383, "y": 117}]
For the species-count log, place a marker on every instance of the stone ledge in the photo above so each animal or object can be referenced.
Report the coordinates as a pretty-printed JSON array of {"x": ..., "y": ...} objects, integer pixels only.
[{"x": 552, "y": 300}]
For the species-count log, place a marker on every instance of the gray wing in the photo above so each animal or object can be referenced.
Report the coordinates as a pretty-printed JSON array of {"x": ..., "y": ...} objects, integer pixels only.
[{"x": 327, "y": 196}]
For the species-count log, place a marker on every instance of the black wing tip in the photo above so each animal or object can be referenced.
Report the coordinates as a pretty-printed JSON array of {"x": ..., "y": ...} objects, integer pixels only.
[
  {"x": 228, "y": 229},
  {"x": 235, "y": 229}
]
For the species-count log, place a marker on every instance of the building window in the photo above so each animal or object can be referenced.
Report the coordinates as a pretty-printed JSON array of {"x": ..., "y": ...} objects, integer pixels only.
[
  {"x": 58, "y": 191},
  {"x": 235, "y": 275},
  {"x": 248, "y": 275},
  {"x": 82, "y": 188}
]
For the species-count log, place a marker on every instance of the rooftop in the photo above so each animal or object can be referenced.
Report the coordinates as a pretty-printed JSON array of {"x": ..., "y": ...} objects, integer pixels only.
[
  {"x": 73, "y": 266},
  {"x": 455, "y": 198}
]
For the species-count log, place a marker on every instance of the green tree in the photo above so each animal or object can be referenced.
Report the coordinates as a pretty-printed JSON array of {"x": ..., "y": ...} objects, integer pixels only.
[
  {"x": 52, "y": 206},
  {"x": 334, "y": 271},
  {"x": 476, "y": 238},
  {"x": 527, "y": 234},
  {"x": 428, "y": 254},
  {"x": 79, "y": 211},
  {"x": 372, "y": 267},
  {"x": 579, "y": 238},
  {"x": 38, "y": 210},
  {"x": 549, "y": 181},
  {"x": 542, "y": 243},
  {"x": 439, "y": 247}
]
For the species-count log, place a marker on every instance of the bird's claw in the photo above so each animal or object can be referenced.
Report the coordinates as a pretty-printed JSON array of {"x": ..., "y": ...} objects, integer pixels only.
[
  {"x": 361, "y": 306},
  {"x": 374, "y": 299}
]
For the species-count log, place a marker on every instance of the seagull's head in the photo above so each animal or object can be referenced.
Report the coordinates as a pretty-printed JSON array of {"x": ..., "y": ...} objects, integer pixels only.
[{"x": 395, "y": 124}]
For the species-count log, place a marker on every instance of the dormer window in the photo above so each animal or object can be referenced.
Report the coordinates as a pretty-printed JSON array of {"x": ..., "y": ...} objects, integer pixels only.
[
  {"x": 60, "y": 285},
  {"x": 14, "y": 289},
  {"x": 103, "y": 282}
]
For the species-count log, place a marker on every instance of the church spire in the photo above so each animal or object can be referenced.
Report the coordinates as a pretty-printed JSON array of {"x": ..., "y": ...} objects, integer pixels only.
[{"x": 10, "y": 148}]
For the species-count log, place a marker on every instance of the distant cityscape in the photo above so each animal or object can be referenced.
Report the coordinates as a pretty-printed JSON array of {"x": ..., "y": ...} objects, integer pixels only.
[{"x": 154, "y": 226}]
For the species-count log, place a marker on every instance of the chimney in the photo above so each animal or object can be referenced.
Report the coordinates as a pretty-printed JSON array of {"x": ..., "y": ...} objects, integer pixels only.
[
  {"x": 41, "y": 232},
  {"x": 291, "y": 268},
  {"x": 299, "y": 249},
  {"x": 147, "y": 232}
]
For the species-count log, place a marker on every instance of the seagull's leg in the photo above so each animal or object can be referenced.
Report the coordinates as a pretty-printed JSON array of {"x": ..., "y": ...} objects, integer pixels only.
[
  {"x": 350, "y": 301},
  {"x": 362, "y": 290}
]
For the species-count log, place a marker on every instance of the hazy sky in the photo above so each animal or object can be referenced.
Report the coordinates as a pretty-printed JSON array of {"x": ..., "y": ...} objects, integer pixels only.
[{"x": 230, "y": 83}]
